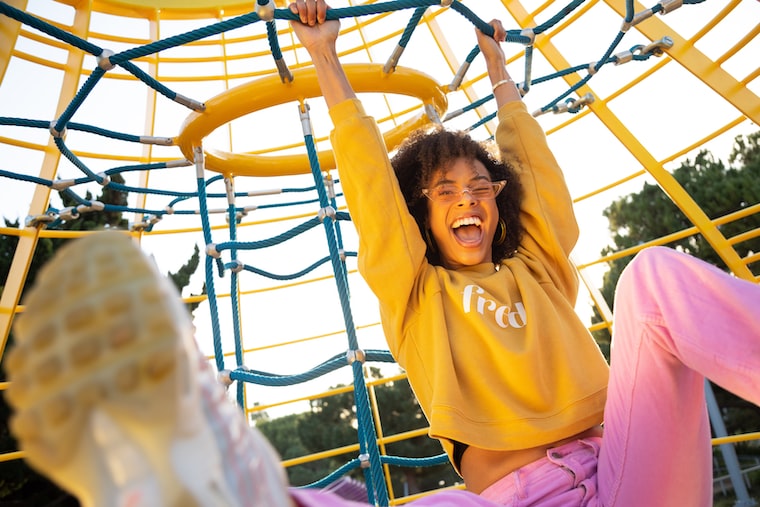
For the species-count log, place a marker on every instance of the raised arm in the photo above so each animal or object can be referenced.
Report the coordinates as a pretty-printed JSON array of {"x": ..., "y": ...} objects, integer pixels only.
[
  {"x": 504, "y": 89},
  {"x": 318, "y": 36},
  {"x": 547, "y": 209}
]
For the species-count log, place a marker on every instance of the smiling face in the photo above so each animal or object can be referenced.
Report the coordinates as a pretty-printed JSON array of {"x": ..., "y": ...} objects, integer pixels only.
[{"x": 464, "y": 229}]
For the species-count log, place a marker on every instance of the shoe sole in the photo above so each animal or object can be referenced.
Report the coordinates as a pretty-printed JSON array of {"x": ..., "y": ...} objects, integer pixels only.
[{"x": 100, "y": 377}]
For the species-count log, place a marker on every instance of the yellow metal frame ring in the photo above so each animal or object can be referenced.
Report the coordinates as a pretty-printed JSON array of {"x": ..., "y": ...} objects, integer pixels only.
[{"x": 270, "y": 91}]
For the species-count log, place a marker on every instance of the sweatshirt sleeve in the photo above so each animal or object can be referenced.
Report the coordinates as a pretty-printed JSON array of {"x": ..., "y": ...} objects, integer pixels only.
[
  {"x": 391, "y": 250},
  {"x": 548, "y": 218}
]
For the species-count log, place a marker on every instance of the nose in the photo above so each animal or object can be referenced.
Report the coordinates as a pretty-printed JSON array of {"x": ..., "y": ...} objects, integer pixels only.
[{"x": 469, "y": 192}]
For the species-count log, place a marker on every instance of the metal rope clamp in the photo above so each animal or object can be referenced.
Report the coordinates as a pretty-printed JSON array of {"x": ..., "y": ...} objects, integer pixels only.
[
  {"x": 356, "y": 355},
  {"x": 265, "y": 10},
  {"x": 657, "y": 47},
  {"x": 327, "y": 212},
  {"x": 104, "y": 60},
  {"x": 212, "y": 251},
  {"x": 56, "y": 134},
  {"x": 224, "y": 377},
  {"x": 45, "y": 218}
]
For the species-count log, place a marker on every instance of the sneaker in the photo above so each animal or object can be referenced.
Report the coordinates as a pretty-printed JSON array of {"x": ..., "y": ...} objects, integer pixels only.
[{"x": 114, "y": 401}]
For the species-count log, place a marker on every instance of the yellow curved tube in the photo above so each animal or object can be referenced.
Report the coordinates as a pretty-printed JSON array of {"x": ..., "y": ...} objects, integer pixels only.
[{"x": 271, "y": 91}]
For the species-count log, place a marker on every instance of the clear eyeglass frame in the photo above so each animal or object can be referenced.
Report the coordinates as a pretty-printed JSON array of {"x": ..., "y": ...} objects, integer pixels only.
[{"x": 451, "y": 193}]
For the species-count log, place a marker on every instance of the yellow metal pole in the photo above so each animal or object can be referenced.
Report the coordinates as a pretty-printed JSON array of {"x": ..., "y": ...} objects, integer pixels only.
[
  {"x": 703, "y": 68},
  {"x": 9, "y": 31},
  {"x": 27, "y": 243},
  {"x": 665, "y": 179}
]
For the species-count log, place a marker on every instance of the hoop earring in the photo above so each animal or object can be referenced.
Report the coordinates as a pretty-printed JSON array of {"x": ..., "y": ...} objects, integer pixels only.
[
  {"x": 502, "y": 232},
  {"x": 429, "y": 241}
]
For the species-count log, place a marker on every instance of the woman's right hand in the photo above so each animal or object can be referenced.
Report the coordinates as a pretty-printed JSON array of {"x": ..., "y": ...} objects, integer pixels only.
[
  {"x": 318, "y": 36},
  {"x": 313, "y": 30}
]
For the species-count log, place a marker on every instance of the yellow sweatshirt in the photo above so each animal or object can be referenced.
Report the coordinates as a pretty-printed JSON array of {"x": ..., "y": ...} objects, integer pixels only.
[{"x": 496, "y": 355}]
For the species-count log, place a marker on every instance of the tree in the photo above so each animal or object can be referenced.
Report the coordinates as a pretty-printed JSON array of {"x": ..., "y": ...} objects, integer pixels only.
[
  {"x": 20, "y": 485},
  {"x": 649, "y": 214},
  {"x": 326, "y": 426},
  {"x": 332, "y": 423},
  {"x": 283, "y": 433}
]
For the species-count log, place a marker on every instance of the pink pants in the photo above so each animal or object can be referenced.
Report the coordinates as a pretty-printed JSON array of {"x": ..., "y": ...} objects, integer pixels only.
[{"x": 677, "y": 321}]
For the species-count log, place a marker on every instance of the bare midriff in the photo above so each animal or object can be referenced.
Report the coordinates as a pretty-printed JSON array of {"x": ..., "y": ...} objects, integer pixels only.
[{"x": 482, "y": 467}]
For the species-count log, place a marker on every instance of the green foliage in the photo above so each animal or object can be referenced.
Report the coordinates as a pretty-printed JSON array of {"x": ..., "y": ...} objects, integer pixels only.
[
  {"x": 182, "y": 277},
  {"x": 332, "y": 423}
]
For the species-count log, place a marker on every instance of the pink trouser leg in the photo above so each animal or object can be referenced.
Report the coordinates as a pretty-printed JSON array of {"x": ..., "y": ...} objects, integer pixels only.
[{"x": 677, "y": 321}]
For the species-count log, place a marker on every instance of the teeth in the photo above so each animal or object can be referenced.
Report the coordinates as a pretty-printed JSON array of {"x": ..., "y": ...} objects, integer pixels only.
[{"x": 466, "y": 221}]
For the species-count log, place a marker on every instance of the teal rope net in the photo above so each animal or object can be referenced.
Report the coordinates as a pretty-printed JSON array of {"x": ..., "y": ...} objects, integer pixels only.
[{"x": 226, "y": 254}]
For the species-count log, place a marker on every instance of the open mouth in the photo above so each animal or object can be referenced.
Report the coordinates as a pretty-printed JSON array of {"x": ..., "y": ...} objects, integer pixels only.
[{"x": 467, "y": 230}]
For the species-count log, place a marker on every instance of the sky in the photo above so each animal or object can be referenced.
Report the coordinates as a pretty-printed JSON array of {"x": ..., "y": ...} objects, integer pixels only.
[{"x": 666, "y": 112}]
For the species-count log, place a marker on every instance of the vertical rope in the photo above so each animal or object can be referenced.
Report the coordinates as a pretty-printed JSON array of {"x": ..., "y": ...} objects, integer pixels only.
[
  {"x": 234, "y": 285},
  {"x": 338, "y": 235},
  {"x": 209, "y": 261},
  {"x": 377, "y": 491}
]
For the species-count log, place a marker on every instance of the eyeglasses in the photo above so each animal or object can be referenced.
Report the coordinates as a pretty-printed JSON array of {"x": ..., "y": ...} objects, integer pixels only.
[{"x": 448, "y": 192}]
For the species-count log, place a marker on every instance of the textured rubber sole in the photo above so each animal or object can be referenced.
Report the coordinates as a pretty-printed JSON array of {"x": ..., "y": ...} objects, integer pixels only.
[
  {"x": 101, "y": 380},
  {"x": 113, "y": 400}
]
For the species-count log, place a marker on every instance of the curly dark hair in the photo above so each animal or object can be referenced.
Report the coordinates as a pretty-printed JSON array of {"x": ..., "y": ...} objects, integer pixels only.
[{"x": 426, "y": 151}]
